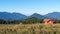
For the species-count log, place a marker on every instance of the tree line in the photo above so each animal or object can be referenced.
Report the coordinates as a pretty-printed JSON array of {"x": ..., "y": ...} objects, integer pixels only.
[{"x": 31, "y": 20}]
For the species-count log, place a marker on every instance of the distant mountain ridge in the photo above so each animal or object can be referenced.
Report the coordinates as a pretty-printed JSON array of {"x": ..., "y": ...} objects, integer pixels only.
[
  {"x": 36, "y": 15},
  {"x": 11, "y": 16},
  {"x": 55, "y": 15},
  {"x": 19, "y": 16}
]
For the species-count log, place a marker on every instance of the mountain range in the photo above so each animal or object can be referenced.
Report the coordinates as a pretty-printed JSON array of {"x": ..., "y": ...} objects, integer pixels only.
[
  {"x": 12, "y": 16},
  {"x": 19, "y": 16},
  {"x": 36, "y": 15},
  {"x": 55, "y": 15}
]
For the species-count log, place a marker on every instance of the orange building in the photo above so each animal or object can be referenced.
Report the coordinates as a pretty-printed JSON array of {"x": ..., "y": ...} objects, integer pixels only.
[{"x": 49, "y": 21}]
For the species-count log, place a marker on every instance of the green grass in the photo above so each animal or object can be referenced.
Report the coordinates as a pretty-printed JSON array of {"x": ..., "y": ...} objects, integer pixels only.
[{"x": 29, "y": 28}]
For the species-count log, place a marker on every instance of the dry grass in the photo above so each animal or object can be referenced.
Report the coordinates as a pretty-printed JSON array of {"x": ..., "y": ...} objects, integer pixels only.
[{"x": 30, "y": 29}]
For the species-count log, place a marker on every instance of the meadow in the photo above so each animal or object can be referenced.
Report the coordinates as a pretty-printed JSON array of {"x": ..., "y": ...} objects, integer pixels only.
[{"x": 30, "y": 28}]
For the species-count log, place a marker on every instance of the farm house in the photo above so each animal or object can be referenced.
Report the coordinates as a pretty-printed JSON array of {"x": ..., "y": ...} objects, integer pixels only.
[{"x": 49, "y": 21}]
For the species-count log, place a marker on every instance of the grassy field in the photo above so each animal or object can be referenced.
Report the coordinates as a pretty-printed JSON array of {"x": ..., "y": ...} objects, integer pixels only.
[{"x": 29, "y": 28}]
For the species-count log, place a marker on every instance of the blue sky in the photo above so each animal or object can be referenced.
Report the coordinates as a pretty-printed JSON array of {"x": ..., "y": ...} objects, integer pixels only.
[{"x": 29, "y": 7}]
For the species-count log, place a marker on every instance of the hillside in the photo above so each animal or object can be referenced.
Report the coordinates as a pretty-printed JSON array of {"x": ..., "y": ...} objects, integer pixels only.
[
  {"x": 36, "y": 15},
  {"x": 32, "y": 20},
  {"x": 55, "y": 15},
  {"x": 11, "y": 16},
  {"x": 19, "y": 16}
]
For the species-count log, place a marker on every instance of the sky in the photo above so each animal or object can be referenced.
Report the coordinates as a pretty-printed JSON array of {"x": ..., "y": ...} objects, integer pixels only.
[{"x": 28, "y": 7}]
